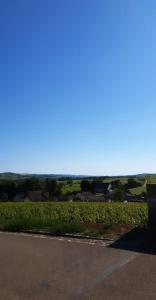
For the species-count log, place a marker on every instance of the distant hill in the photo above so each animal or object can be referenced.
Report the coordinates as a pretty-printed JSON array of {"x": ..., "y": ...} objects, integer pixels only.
[
  {"x": 17, "y": 176},
  {"x": 146, "y": 174},
  {"x": 10, "y": 176}
]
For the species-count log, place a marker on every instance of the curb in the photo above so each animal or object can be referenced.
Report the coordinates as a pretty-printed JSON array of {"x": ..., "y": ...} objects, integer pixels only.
[{"x": 66, "y": 235}]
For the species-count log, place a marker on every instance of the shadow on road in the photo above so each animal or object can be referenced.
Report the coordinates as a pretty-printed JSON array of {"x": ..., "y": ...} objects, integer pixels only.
[{"x": 138, "y": 240}]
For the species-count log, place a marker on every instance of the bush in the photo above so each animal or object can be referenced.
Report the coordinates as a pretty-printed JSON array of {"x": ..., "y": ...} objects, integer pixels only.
[{"x": 118, "y": 195}]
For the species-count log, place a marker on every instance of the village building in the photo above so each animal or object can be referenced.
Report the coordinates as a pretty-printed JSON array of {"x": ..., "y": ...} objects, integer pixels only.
[
  {"x": 101, "y": 187},
  {"x": 32, "y": 196}
]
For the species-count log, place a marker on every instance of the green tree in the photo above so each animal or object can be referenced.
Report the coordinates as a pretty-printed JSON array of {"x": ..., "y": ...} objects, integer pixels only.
[
  {"x": 10, "y": 188},
  {"x": 86, "y": 186},
  {"x": 30, "y": 184},
  {"x": 51, "y": 187},
  {"x": 118, "y": 195},
  {"x": 132, "y": 183}
]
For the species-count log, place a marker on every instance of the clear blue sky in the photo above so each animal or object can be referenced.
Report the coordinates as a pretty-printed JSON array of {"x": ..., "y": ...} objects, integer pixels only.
[{"x": 78, "y": 86}]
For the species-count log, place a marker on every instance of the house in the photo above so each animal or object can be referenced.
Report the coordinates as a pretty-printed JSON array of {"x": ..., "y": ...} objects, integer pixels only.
[
  {"x": 21, "y": 198},
  {"x": 38, "y": 196},
  {"x": 32, "y": 196},
  {"x": 134, "y": 198},
  {"x": 78, "y": 197},
  {"x": 90, "y": 197},
  {"x": 130, "y": 197},
  {"x": 101, "y": 187}
]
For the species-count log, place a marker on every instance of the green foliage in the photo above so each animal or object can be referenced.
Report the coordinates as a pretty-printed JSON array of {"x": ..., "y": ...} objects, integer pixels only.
[
  {"x": 115, "y": 183},
  {"x": 118, "y": 195},
  {"x": 9, "y": 188},
  {"x": 86, "y": 186},
  {"x": 29, "y": 184},
  {"x": 51, "y": 186},
  {"x": 45, "y": 215},
  {"x": 132, "y": 183}
]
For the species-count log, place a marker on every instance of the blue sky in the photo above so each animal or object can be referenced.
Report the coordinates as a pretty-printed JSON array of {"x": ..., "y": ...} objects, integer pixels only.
[{"x": 78, "y": 86}]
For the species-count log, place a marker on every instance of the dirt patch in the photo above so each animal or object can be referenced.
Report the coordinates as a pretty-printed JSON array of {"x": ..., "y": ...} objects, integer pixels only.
[
  {"x": 113, "y": 232},
  {"x": 118, "y": 230}
]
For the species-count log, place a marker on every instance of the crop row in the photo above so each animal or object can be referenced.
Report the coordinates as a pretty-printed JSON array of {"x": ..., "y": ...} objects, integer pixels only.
[{"x": 105, "y": 213}]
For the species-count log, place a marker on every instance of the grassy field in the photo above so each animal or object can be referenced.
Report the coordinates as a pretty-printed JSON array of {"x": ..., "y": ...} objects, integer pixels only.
[
  {"x": 70, "y": 188},
  {"x": 151, "y": 179},
  {"x": 69, "y": 217},
  {"x": 138, "y": 190}
]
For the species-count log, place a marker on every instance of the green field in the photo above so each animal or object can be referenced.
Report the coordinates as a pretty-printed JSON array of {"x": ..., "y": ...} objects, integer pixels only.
[
  {"x": 138, "y": 190},
  {"x": 151, "y": 179},
  {"x": 70, "y": 188},
  {"x": 66, "y": 217}
]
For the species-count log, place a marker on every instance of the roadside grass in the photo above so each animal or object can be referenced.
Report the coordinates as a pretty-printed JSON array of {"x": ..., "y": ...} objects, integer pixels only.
[
  {"x": 62, "y": 228},
  {"x": 37, "y": 225}
]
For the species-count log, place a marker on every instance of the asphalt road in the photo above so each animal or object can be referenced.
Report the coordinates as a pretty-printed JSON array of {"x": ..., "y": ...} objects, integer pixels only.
[{"x": 37, "y": 268}]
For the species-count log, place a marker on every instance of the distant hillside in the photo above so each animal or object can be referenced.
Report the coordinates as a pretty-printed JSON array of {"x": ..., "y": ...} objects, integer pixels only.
[
  {"x": 16, "y": 176},
  {"x": 10, "y": 176}
]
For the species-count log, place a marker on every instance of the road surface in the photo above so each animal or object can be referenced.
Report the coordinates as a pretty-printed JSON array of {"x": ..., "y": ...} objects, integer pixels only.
[{"x": 38, "y": 268}]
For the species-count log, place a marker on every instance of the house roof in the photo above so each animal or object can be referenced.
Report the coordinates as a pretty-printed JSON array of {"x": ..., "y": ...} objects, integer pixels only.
[
  {"x": 38, "y": 195},
  {"x": 101, "y": 185}
]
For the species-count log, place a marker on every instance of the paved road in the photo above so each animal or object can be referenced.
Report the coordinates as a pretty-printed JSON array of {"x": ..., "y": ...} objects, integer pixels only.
[{"x": 36, "y": 269}]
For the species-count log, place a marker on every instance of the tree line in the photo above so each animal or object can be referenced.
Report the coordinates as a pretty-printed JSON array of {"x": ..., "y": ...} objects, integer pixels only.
[{"x": 9, "y": 188}]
